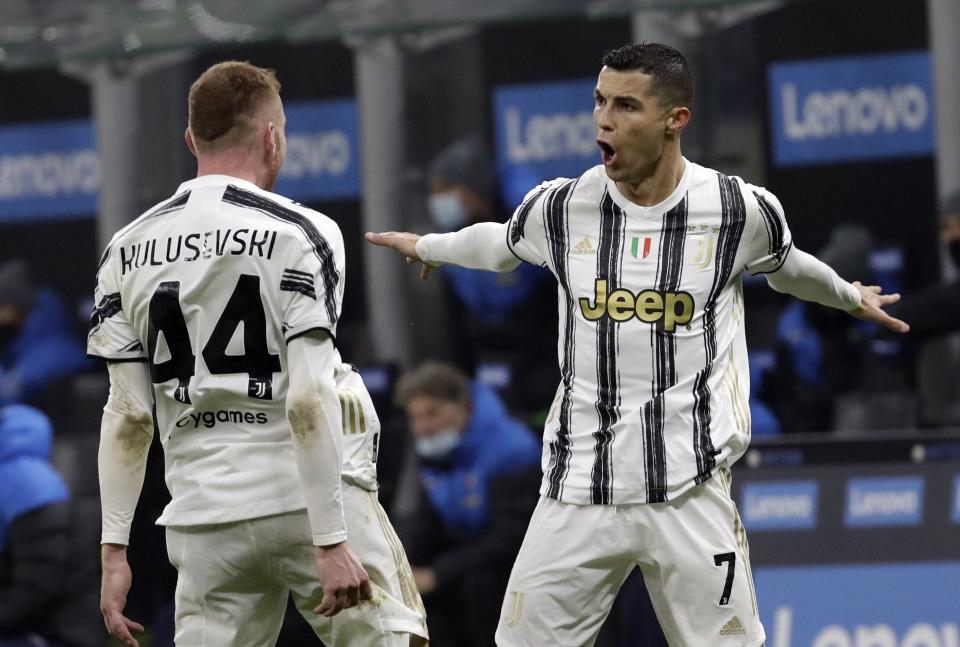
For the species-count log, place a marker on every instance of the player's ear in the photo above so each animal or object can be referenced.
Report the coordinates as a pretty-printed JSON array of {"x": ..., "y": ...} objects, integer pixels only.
[
  {"x": 270, "y": 143},
  {"x": 188, "y": 137},
  {"x": 677, "y": 119}
]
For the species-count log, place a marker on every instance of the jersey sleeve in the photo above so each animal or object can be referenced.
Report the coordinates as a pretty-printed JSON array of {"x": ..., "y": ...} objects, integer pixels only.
[
  {"x": 111, "y": 336},
  {"x": 526, "y": 235},
  {"x": 312, "y": 281},
  {"x": 768, "y": 240}
]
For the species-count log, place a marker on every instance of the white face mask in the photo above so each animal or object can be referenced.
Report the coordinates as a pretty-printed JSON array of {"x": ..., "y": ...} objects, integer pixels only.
[
  {"x": 439, "y": 445},
  {"x": 447, "y": 211}
]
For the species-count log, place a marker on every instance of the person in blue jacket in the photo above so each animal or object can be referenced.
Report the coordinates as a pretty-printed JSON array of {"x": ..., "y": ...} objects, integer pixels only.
[
  {"x": 478, "y": 473},
  {"x": 45, "y": 599},
  {"x": 38, "y": 343},
  {"x": 501, "y": 320}
]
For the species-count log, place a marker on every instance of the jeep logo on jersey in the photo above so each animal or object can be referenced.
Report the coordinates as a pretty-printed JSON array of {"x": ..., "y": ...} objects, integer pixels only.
[{"x": 649, "y": 306}]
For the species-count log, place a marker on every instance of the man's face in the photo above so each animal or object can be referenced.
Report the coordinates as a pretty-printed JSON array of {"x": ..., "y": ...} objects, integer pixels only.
[
  {"x": 428, "y": 415},
  {"x": 631, "y": 124}
]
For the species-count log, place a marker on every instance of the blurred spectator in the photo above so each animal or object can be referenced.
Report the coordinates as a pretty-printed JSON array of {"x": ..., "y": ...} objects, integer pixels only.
[
  {"x": 763, "y": 422},
  {"x": 503, "y": 321},
  {"x": 38, "y": 341},
  {"x": 932, "y": 313},
  {"x": 479, "y": 472},
  {"x": 820, "y": 351},
  {"x": 936, "y": 309},
  {"x": 41, "y": 601}
]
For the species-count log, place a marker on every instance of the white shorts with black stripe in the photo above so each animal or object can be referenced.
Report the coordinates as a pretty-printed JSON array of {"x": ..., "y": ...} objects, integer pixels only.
[{"x": 692, "y": 553}]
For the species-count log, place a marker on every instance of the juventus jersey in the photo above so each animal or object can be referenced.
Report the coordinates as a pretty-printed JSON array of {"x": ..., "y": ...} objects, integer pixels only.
[
  {"x": 653, "y": 359},
  {"x": 208, "y": 287}
]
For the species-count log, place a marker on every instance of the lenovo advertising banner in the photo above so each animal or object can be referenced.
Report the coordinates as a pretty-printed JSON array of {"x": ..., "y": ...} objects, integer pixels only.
[
  {"x": 323, "y": 151},
  {"x": 48, "y": 170},
  {"x": 851, "y": 108},
  {"x": 52, "y": 170},
  {"x": 543, "y": 131},
  {"x": 863, "y": 605},
  {"x": 855, "y": 555}
]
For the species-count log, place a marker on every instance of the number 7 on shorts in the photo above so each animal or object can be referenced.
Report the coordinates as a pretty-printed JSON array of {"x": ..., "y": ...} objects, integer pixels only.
[{"x": 731, "y": 559}]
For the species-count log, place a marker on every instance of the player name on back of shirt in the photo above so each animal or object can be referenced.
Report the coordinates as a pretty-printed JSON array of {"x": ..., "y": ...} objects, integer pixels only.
[{"x": 191, "y": 247}]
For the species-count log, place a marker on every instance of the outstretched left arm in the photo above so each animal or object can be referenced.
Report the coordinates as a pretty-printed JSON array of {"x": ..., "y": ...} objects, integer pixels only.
[{"x": 806, "y": 277}]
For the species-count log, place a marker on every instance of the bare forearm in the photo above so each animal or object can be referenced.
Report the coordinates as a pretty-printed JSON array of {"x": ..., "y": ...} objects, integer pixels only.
[
  {"x": 808, "y": 278},
  {"x": 482, "y": 246}
]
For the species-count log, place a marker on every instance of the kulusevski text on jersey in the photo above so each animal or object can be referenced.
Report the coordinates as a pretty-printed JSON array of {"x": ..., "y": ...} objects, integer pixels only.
[{"x": 191, "y": 247}]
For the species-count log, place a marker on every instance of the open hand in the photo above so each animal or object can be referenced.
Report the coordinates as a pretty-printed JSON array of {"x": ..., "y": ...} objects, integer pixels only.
[
  {"x": 871, "y": 307},
  {"x": 405, "y": 243},
  {"x": 343, "y": 579},
  {"x": 114, "y": 587}
]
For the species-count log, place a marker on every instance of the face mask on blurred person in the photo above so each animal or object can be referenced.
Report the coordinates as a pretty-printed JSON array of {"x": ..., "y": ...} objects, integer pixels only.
[
  {"x": 446, "y": 211},
  {"x": 438, "y": 446},
  {"x": 954, "y": 248}
]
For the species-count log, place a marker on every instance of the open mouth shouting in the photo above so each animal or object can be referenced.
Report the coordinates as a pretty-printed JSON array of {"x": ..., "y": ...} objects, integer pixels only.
[{"x": 607, "y": 153}]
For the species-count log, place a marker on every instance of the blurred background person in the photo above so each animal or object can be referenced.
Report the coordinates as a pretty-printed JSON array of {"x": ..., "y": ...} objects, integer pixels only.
[
  {"x": 39, "y": 344},
  {"x": 501, "y": 325},
  {"x": 46, "y": 596},
  {"x": 478, "y": 472},
  {"x": 820, "y": 352},
  {"x": 934, "y": 316}
]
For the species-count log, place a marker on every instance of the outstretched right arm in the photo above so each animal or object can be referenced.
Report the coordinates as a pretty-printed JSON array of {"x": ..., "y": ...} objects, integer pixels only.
[
  {"x": 482, "y": 246},
  {"x": 491, "y": 246}
]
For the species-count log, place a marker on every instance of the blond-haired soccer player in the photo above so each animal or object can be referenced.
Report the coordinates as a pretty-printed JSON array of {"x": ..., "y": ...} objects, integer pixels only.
[
  {"x": 219, "y": 307},
  {"x": 647, "y": 249}
]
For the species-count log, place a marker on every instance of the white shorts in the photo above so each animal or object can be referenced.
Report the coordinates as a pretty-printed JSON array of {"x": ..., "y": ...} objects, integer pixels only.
[
  {"x": 234, "y": 578},
  {"x": 692, "y": 552}
]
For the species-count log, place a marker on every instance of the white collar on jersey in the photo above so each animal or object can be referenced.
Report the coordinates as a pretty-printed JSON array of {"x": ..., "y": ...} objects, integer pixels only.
[
  {"x": 217, "y": 180},
  {"x": 656, "y": 210}
]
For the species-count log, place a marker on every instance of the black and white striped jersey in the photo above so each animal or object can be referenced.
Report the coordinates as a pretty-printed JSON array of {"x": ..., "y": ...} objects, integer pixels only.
[
  {"x": 208, "y": 287},
  {"x": 653, "y": 359}
]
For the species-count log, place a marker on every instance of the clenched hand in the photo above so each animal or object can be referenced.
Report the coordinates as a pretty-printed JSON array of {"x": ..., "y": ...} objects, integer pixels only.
[{"x": 343, "y": 579}]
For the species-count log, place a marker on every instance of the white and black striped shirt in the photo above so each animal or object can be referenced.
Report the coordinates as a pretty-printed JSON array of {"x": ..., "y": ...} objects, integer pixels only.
[
  {"x": 208, "y": 287},
  {"x": 653, "y": 359}
]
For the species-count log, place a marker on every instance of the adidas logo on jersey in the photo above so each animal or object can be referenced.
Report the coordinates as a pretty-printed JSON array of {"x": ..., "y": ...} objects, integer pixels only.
[
  {"x": 733, "y": 628},
  {"x": 583, "y": 247}
]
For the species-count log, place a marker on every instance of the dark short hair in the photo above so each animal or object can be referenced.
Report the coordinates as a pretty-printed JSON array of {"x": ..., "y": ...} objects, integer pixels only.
[
  {"x": 223, "y": 101},
  {"x": 434, "y": 380},
  {"x": 672, "y": 78}
]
